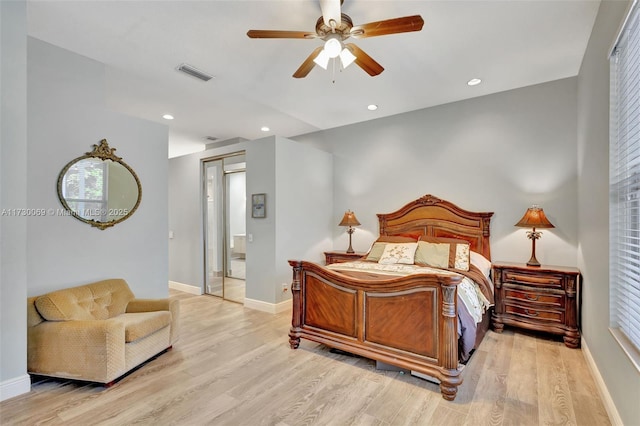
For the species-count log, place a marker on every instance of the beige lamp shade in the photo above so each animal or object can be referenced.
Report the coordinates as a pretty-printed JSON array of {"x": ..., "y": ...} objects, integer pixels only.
[
  {"x": 534, "y": 217},
  {"x": 349, "y": 219}
]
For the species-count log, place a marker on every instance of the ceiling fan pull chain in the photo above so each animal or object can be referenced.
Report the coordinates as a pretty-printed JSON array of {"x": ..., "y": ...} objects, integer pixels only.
[{"x": 333, "y": 71}]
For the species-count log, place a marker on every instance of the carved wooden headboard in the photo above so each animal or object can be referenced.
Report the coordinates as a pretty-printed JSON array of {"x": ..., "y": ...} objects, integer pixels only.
[{"x": 434, "y": 217}]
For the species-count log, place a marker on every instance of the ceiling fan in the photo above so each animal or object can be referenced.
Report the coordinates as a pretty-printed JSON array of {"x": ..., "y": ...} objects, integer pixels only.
[{"x": 334, "y": 27}]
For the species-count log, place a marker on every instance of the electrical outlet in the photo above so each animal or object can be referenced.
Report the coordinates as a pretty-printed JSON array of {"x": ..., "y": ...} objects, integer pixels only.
[{"x": 285, "y": 287}]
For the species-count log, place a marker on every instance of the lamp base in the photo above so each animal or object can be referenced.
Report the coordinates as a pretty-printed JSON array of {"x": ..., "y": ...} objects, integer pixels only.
[
  {"x": 533, "y": 262},
  {"x": 350, "y": 232}
]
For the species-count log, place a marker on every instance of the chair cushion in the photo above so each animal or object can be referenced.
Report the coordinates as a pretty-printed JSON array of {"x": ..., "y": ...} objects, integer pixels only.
[
  {"x": 98, "y": 301},
  {"x": 141, "y": 324}
]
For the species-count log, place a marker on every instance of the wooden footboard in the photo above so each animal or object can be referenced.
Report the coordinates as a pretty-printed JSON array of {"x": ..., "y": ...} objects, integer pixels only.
[{"x": 409, "y": 322}]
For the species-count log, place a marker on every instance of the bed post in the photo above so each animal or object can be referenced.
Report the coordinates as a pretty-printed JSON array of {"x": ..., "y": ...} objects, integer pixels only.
[
  {"x": 296, "y": 318},
  {"x": 451, "y": 379}
]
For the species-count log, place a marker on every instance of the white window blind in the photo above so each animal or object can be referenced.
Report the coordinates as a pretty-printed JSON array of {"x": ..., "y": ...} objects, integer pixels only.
[{"x": 624, "y": 180}]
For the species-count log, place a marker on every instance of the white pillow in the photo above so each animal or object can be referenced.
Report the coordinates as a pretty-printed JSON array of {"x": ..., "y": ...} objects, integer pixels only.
[
  {"x": 398, "y": 253},
  {"x": 481, "y": 263}
]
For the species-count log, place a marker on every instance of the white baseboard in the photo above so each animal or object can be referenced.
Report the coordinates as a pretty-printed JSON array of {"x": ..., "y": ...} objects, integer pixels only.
[
  {"x": 258, "y": 305},
  {"x": 14, "y": 387},
  {"x": 614, "y": 417},
  {"x": 272, "y": 308},
  {"x": 191, "y": 289}
]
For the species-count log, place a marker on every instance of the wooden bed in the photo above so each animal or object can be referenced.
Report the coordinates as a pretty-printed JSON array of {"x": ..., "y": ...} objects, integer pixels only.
[{"x": 409, "y": 322}]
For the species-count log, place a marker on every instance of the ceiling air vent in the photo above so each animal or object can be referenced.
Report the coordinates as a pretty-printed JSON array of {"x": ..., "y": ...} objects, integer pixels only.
[{"x": 194, "y": 72}]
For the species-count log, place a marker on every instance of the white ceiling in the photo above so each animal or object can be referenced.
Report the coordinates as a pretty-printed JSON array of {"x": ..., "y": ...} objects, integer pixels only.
[{"x": 508, "y": 44}]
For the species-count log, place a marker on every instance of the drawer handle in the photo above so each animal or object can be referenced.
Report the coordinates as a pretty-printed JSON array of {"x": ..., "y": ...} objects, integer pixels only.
[
  {"x": 533, "y": 298},
  {"x": 532, "y": 313}
]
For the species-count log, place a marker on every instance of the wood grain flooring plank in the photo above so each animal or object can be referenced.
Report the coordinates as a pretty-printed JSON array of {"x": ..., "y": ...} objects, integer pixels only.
[
  {"x": 292, "y": 391},
  {"x": 418, "y": 408},
  {"x": 471, "y": 376},
  {"x": 587, "y": 404},
  {"x": 233, "y": 366},
  {"x": 521, "y": 399},
  {"x": 487, "y": 405},
  {"x": 392, "y": 397},
  {"x": 555, "y": 405}
]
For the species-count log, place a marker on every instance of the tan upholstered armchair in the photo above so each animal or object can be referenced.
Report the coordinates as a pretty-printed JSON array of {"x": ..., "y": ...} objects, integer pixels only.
[{"x": 97, "y": 332}]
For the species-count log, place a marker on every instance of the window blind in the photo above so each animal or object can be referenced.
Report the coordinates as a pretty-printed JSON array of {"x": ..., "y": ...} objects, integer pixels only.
[{"x": 624, "y": 180}]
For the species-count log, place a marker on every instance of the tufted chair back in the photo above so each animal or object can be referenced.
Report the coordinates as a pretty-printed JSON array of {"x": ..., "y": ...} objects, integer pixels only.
[{"x": 97, "y": 301}]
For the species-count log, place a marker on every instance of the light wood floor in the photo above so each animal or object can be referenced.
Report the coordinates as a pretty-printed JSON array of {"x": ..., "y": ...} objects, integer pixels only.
[{"x": 233, "y": 366}]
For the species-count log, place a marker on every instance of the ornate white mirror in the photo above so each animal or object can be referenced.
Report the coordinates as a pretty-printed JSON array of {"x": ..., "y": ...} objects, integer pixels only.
[{"x": 99, "y": 188}]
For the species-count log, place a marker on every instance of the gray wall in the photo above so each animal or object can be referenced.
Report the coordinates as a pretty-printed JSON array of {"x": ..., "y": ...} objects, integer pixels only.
[
  {"x": 304, "y": 197},
  {"x": 66, "y": 116},
  {"x": 64, "y": 108},
  {"x": 13, "y": 195},
  {"x": 621, "y": 377},
  {"x": 297, "y": 181},
  {"x": 186, "y": 248},
  {"x": 497, "y": 153}
]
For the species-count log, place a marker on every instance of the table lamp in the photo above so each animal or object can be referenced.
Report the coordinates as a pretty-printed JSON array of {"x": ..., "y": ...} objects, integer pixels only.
[
  {"x": 534, "y": 218},
  {"x": 349, "y": 219}
]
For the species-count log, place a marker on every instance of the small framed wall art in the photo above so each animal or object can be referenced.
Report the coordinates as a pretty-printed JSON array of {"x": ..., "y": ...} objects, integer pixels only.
[{"x": 258, "y": 205}]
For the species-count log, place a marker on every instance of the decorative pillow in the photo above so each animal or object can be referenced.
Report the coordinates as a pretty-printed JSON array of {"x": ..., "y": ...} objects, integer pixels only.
[
  {"x": 378, "y": 246},
  {"x": 433, "y": 254},
  {"x": 398, "y": 253},
  {"x": 462, "y": 257},
  {"x": 376, "y": 251},
  {"x": 458, "y": 252},
  {"x": 481, "y": 263}
]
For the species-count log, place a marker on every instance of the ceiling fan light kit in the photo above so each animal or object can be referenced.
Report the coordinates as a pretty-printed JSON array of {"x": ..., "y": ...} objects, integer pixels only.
[
  {"x": 333, "y": 48},
  {"x": 346, "y": 57},
  {"x": 334, "y": 27}
]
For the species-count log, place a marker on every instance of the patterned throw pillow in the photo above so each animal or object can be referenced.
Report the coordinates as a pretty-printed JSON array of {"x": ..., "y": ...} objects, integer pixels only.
[
  {"x": 378, "y": 246},
  {"x": 398, "y": 253},
  {"x": 462, "y": 257},
  {"x": 458, "y": 258}
]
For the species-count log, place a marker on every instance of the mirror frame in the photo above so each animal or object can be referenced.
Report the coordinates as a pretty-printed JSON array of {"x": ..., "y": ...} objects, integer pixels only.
[{"x": 103, "y": 152}]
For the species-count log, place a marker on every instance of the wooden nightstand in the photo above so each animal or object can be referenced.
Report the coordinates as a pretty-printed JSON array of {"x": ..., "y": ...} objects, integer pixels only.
[
  {"x": 542, "y": 298},
  {"x": 341, "y": 256}
]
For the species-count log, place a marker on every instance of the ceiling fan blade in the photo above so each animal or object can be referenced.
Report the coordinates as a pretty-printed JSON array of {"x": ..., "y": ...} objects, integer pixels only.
[
  {"x": 365, "y": 61},
  {"x": 389, "y": 26},
  {"x": 308, "y": 64},
  {"x": 331, "y": 11},
  {"x": 280, "y": 34}
]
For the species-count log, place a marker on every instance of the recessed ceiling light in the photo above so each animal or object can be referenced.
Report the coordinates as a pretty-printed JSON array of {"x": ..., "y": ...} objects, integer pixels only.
[
  {"x": 372, "y": 107},
  {"x": 474, "y": 82},
  {"x": 168, "y": 117},
  {"x": 265, "y": 129}
]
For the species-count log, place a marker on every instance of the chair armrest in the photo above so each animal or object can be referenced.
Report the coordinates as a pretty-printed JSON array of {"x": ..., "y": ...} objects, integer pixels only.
[
  {"x": 88, "y": 350},
  {"x": 148, "y": 305},
  {"x": 151, "y": 305}
]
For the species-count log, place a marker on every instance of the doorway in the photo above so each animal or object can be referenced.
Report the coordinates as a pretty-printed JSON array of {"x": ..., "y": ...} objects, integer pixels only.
[{"x": 225, "y": 226}]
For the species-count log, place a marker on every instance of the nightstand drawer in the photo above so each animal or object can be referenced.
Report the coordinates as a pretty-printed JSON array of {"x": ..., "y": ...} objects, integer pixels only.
[
  {"x": 539, "y": 280},
  {"x": 541, "y": 298},
  {"x": 551, "y": 300},
  {"x": 534, "y": 314}
]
